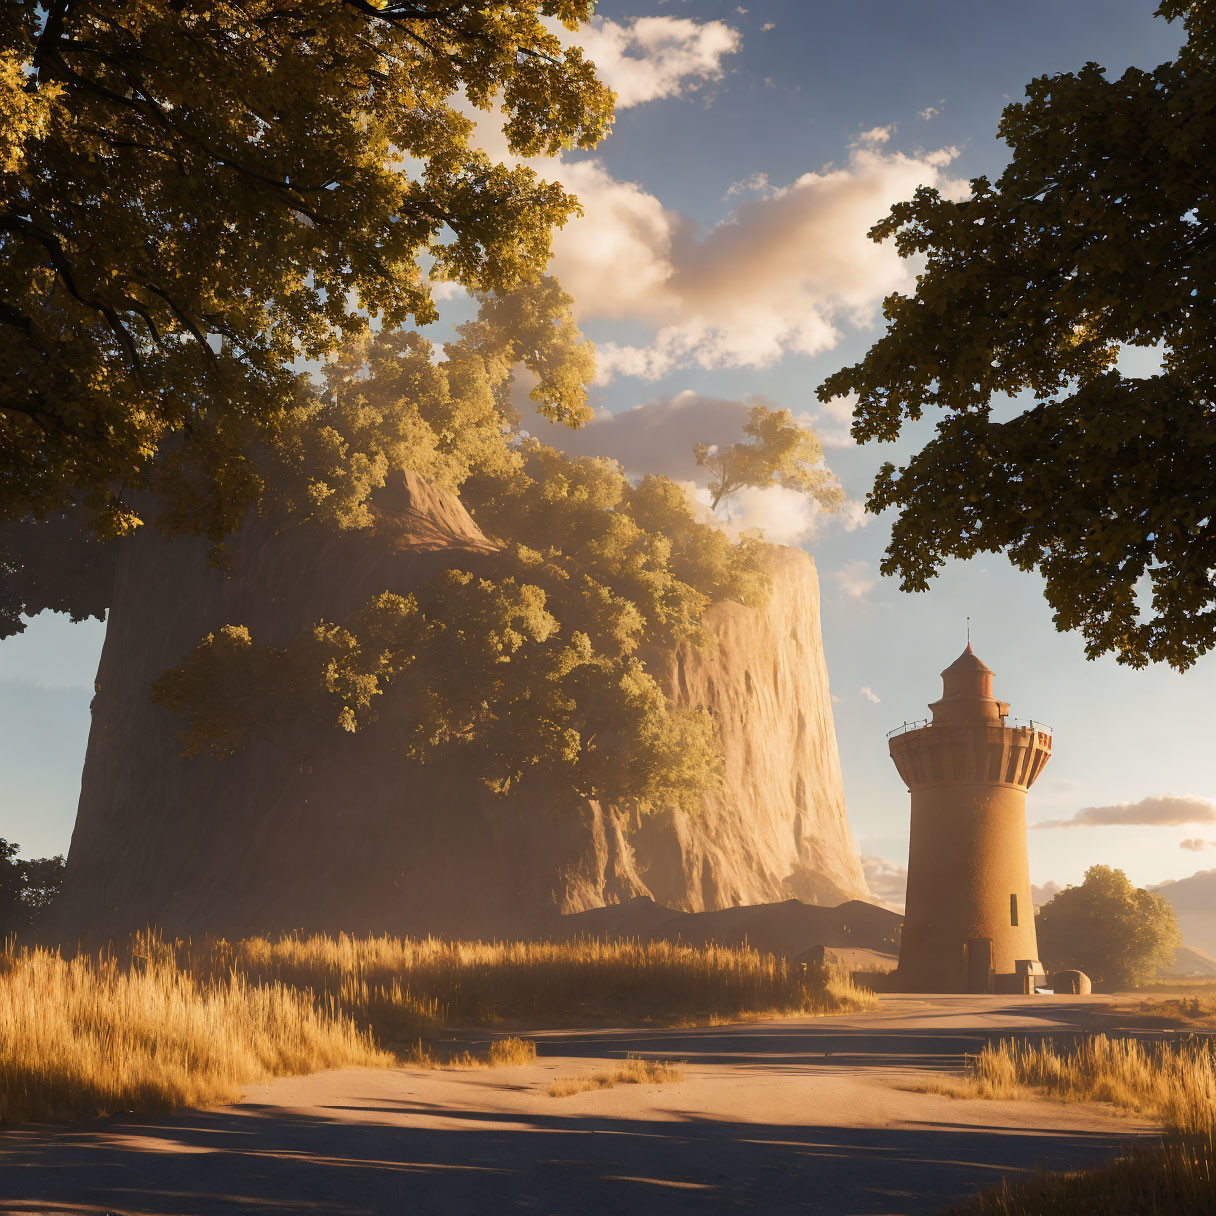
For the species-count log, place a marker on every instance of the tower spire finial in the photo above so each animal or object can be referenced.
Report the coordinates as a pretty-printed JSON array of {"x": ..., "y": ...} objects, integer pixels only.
[{"x": 968, "y": 633}]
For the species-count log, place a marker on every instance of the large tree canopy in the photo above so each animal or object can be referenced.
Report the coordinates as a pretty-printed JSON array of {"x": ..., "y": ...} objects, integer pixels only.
[
  {"x": 530, "y": 673},
  {"x": 1117, "y": 934},
  {"x": 195, "y": 195},
  {"x": 1101, "y": 232}
]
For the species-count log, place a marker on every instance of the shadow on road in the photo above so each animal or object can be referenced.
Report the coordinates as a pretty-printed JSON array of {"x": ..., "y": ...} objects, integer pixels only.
[{"x": 252, "y": 1159}]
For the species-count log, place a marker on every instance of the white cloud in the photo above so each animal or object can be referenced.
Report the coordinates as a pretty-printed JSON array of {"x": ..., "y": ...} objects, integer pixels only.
[
  {"x": 758, "y": 183},
  {"x": 442, "y": 290},
  {"x": 931, "y": 112},
  {"x": 778, "y": 515},
  {"x": 1196, "y": 845},
  {"x": 833, "y": 421},
  {"x": 856, "y": 580},
  {"x": 875, "y": 136},
  {"x": 870, "y": 695},
  {"x": 1045, "y": 894},
  {"x": 653, "y": 437},
  {"x": 651, "y": 58},
  {"x": 781, "y": 274},
  {"x": 887, "y": 880},
  {"x": 1161, "y": 810}
]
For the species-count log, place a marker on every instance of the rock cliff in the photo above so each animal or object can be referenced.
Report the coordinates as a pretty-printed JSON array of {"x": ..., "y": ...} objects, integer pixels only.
[{"x": 350, "y": 837}]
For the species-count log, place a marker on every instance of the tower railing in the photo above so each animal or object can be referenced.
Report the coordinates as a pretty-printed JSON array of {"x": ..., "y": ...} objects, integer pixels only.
[
  {"x": 1018, "y": 724},
  {"x": 1031, "y": 724}
]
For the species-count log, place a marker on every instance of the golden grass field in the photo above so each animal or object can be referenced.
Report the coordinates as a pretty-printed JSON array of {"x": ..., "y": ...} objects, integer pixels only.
[
  {"x": 1174, "y": 1083},
  {"x": 158, "y": 1025}
]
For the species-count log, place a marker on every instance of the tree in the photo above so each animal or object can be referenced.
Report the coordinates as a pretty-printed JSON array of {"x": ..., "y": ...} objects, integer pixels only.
[
  {"x": 527, "y": 673},
  {"x": 1117, "y": 934},
  {"x": 27, "y": 888},
  {"x": 1100, "y": 232},
  {"x": 780, "y": 453},
  {"x": 195, "y": 195}
]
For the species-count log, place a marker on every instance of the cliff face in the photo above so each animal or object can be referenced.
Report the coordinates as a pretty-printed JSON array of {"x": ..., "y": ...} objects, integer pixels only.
[
  {"x": 350, "y": 837},
  {"x": 777, "y": 828}
]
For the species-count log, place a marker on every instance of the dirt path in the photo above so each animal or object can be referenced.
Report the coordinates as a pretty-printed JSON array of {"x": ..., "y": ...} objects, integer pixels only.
[{"x": 808, "y": 1116}]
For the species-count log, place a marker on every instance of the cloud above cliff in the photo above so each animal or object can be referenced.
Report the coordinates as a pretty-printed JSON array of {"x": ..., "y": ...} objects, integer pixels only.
[
  {"x": 655, "y": 436},
  {"x": 652, "y": 58},
  {"x": 888, "y": 881},
  {"x": 783, "y": 273},
  {"x": 855, "y": 580},
  {"x": 1196, "y": 844},
  {"x": 1162, "y": 810},
  {"x": 658, "y": 436}
]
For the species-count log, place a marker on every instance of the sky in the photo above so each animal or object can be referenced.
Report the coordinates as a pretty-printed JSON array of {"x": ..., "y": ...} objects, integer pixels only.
[{"x": 722, "y": 259}]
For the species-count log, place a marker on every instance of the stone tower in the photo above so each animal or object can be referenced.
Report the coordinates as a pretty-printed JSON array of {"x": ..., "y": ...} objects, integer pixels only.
[{"x": 969, "y": 924}]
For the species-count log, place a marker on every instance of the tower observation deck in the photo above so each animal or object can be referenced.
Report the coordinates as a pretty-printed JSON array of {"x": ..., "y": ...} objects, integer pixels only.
[{"x": 969, "y": 922}]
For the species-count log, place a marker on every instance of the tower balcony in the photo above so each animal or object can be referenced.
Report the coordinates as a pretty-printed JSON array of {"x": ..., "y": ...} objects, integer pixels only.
[{"x": 943, "y": 753}]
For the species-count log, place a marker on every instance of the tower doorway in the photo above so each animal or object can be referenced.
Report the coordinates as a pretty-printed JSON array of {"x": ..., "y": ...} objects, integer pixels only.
[{"x": 977, "y": 963}]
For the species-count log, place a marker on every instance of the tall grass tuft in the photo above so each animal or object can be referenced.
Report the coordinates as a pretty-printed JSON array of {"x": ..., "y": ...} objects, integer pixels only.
[
  {"x": 1178, "y": 1179},
  {"x": 92, "y": 1036},
  {"x": 1174, "y": 1083}
]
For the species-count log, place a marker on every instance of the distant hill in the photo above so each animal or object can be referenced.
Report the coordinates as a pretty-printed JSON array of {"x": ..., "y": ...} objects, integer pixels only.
[
  {"x": 789, "y": 928},
  {"x": 1189, "y": 961},
  {"x": 1194, "y": 900}
]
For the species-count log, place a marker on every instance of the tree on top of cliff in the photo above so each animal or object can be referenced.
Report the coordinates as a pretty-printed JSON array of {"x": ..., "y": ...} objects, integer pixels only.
[
  {"x": 529, "y": 675},
  {"x": 1100, "y": 232},
  {"x": 779, "y": 453},
  {"x": 1117, "y": 934},
  {"x": 195, "y": 195}
]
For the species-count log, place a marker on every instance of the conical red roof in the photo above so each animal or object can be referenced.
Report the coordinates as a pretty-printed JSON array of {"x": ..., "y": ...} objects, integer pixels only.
[{"x": 968, "y": 661}]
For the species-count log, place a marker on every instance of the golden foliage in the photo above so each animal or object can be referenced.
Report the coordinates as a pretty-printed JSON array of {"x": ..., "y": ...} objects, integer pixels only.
[
  {"x": 780, "y": 453},
  {"x": 532, "y": 676},
  {"x": 195, "y": 195}
]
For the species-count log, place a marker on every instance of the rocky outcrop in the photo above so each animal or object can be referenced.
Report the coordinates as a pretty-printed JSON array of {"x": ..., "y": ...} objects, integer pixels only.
[
  {"x": 348, "y": 836},
  {"x": 777, "y": 828}
]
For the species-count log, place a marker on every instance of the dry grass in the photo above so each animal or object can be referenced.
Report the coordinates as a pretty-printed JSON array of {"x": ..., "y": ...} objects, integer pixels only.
[
  {"x": 163, "y": 1025},
  {"x": 405, "y": 987},
  {"x": 633, "y": 1071},
  {"x": 1174, "y": 1083},
  {"x": 1176, "y": 1180},
  {"x": 1183, "y": 1010},
  {"x": 502, "y": 1053},
  {"x": 96, "y": 1036}
]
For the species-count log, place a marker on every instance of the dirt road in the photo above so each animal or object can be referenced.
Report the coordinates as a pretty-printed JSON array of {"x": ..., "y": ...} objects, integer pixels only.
[{"x": 809, "y": 1116}]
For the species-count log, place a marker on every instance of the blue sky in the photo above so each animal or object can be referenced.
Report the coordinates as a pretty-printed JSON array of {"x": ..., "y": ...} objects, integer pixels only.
[{"x": 722, "y": 257}]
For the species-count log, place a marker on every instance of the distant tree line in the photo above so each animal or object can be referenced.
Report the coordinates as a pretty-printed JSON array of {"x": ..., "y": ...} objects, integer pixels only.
[{"x": 27, "y": 888}]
